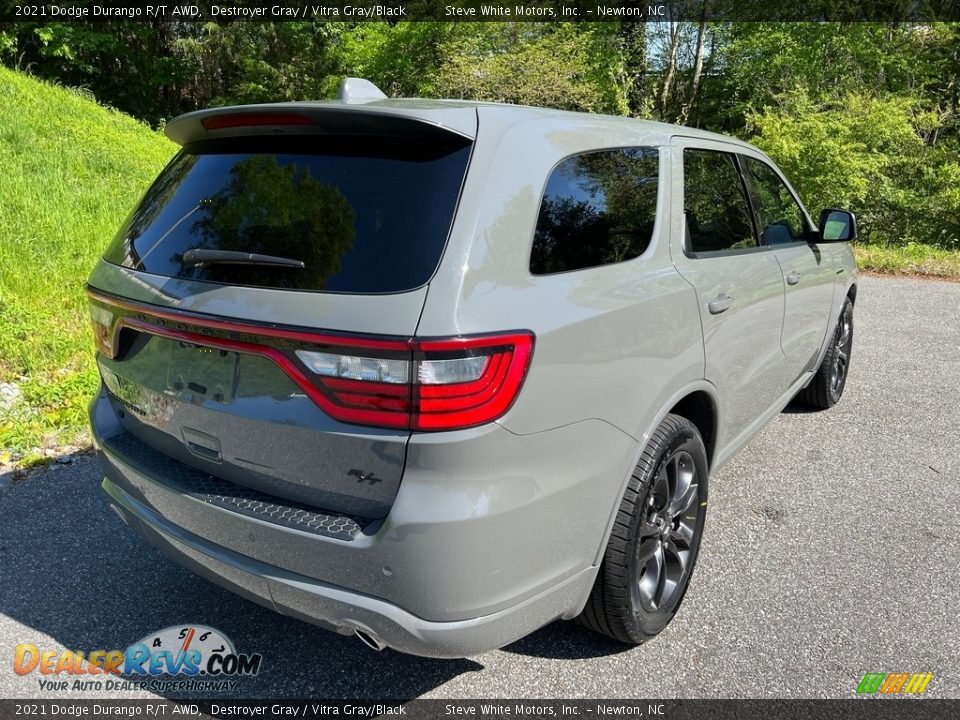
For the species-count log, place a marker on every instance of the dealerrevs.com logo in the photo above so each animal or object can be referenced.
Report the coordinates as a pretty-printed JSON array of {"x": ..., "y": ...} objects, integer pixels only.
[
  {"x": 186, "y": 658},
  {"x": 894, "y": 683}
]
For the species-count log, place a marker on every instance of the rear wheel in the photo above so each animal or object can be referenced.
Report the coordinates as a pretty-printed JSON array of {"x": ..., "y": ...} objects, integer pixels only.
[
  {"x": 825, "y": 389},
  {"x": 655, "y": 539}
]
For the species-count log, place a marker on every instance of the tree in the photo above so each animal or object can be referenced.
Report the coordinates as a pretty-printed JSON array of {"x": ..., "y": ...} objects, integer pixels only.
[
  {"x": 257, "y": 62},
  {"x": 868, "y": 154},
  {"x": 562, "y": 65}
]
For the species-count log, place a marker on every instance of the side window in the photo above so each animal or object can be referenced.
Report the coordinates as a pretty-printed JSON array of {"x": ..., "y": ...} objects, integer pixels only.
[
  {"x": 780, "y": 218},
  {"x": 598, "y": 208},
  {"x": 715, "y": 203}
]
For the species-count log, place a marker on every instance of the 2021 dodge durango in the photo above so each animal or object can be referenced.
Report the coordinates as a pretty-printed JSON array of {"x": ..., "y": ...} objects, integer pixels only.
[{"x": 437, "y": 373}]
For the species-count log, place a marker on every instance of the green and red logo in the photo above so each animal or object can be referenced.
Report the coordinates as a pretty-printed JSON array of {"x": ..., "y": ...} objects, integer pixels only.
[{"x": 894, "y": 683}]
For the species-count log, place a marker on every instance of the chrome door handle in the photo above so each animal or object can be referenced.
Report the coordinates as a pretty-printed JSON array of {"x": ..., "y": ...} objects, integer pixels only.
[
  {"x": 721, "y": 303},
  {"x": 793, "y": 278}
]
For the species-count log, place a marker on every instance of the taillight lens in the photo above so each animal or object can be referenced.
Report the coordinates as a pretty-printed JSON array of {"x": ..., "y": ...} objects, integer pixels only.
[
  {"x": 436, "y": 385},
  {"x": 468, "y": 381},
  {"x": 103, "y": 322},
  {"x": 353, "y": 367}
]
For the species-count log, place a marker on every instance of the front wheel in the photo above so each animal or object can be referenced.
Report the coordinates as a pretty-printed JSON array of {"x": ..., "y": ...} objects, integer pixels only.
[
  {"x": 828, "y": 382},
  {"x": 655, "y": 539}
]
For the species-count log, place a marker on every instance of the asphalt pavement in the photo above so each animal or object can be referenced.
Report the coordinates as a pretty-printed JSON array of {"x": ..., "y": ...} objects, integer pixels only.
[{"x": 832, "y": 548}]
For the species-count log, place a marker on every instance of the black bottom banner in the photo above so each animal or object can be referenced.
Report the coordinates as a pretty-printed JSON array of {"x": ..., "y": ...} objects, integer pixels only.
[{"x": 856, "y": 709}]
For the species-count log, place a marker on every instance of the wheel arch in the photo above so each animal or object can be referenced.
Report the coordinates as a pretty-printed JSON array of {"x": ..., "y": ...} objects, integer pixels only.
[
  {"x": 698, "y": 403},
  {"x": 699, "y": 407}
]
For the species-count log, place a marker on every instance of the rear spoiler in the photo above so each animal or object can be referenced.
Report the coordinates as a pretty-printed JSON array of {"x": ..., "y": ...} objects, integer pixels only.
[{"x": 409, "y": 118}]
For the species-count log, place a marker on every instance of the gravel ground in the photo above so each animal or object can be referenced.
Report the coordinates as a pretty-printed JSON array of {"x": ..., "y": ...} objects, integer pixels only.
[{"x": 831, "y": 550}]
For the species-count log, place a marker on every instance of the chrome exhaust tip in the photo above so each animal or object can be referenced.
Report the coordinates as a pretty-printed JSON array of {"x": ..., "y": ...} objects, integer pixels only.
[{"x": 370, "y": 640}]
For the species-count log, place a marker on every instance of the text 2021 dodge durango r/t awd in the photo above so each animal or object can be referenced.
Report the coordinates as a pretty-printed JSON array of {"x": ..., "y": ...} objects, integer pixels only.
[{"x": 437, "y": 373}]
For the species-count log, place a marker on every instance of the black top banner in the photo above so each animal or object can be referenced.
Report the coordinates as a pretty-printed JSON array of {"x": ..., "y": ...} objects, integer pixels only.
[{"x": 485, "y": 11}]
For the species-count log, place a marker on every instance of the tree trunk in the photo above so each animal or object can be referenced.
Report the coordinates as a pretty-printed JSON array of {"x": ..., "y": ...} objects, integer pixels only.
[
  {"x": 697, "y": 68},
  {"x": 671, "y": 71}
]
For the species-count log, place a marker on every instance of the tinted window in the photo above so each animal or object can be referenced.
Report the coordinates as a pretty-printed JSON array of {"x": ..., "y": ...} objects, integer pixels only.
[
  {"x": 779, "y": 217},
  {"x": 364, "y": 215},
  {"x": 598, "y": 208},
  {"x": 715, "y": 203}
]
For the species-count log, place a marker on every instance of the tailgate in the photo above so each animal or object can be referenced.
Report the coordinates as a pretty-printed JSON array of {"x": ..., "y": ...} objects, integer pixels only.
[
  {"x": 215, "y": 395},
  {"x": 259, "y": 254}
]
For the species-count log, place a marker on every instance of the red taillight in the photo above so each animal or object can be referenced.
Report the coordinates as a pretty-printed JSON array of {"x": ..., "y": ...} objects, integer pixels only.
[
  {"x": 474, "y": 401},
  {"x": 221, "y": 122},
  {"x": 415, "y": 384},
  {"x": 435, "y": 385}
]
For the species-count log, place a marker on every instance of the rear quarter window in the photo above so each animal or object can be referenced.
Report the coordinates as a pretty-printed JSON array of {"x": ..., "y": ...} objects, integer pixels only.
[
  {"x": 598, "y": 208},
  {"x": 362, "y": 214}
]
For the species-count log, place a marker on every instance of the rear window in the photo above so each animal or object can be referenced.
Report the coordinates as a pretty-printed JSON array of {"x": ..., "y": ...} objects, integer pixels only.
[{"x": 363, "y": 215}]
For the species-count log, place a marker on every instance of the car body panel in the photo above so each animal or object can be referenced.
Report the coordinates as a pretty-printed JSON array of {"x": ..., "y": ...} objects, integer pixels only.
[
  {"x": 808, "y": 274},
  {"x": 599, "y": 331},
  {"x": 346, "y": 612},
  {"x": 313, "y": 459},
  {"x": 394, "y": 314},
  {"x": 334, "y": 117}
]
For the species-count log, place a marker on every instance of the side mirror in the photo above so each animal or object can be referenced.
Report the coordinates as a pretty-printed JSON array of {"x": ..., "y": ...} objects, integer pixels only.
[{"x": 837, "y": 226}]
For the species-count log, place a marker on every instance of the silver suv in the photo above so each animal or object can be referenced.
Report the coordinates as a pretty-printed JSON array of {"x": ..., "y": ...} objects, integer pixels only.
[{"x": 437, "y": 373}]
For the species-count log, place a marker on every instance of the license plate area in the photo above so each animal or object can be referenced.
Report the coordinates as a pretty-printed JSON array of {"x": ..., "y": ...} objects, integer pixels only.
[{"x": 197, "y": 374}]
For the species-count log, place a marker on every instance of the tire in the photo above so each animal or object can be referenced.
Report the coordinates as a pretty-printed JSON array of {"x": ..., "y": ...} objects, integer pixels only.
[
  {"x": 826, "y": 387},
  {"x": 655, "y": 539}
]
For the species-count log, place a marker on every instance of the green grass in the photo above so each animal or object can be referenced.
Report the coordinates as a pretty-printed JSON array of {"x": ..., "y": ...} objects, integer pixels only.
[
  {"x": 70, "y": 171},
  {"x": 909, "y": 259}
]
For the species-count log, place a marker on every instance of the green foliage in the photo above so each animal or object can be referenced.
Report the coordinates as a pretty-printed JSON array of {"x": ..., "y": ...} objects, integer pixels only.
[
  {"x": 867, "y": 154},
  {"x": 401, "y": 59},
  {"x": 257, "y": 62},
  {"x": 127, "y": 65},
  {"x": 71, "y": 170},
  {"x": 568, "y": 68},
  {"x": 865, "y": 115},
  {"x": 763, "y": 61},
  {"x": 575, "y": 67}
]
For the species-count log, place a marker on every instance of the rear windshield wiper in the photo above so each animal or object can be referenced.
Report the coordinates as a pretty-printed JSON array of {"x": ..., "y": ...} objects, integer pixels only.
[{"x": 200, "y": 256}]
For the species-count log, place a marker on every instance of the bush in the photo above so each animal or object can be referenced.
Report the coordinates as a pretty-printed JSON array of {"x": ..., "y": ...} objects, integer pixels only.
[{"x": 871, "y": 155}]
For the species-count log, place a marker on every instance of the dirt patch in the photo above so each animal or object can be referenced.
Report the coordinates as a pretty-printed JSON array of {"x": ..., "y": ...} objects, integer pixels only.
[{"x": 16, "y": 468}]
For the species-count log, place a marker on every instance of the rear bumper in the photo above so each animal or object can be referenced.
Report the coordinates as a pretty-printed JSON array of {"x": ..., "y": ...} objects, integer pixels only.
[
  {"x": 492, "y": 535},
  {"x": 343, "y": 611}
]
